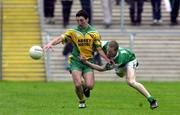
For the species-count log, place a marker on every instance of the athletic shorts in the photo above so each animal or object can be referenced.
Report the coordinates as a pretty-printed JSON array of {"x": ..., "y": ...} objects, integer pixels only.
[
  {"x": 122, "y": 70},
  {"x": 76, "y": 64}
]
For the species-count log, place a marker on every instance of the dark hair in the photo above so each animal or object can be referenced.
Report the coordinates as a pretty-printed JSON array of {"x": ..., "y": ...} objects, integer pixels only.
[
  {"x": 114, "y": 44},
  {"x": 82, "y": 13}
]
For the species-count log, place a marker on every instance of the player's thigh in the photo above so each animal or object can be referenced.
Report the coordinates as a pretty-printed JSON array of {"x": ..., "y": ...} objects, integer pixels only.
[
  {"x": 74, "y": 64},
  {"x": 76, "y": 76},
  {"x": 130, "y": 70},
  {"x": 89, "y": 79},
  {"x": 130, "y": 74}
]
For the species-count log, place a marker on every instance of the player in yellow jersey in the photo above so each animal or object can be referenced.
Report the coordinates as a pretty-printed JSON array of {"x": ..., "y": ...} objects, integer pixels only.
[{"x": 85, "y": 40}]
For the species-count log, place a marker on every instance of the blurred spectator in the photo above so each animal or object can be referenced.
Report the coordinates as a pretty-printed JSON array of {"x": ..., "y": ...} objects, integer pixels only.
[
  {"x": 49, "y": 11},
  {"x": 136, "y": 6},
  {"x": 117, "y": 2},
  {"x": 156, "y": 11},
  {"x": 87, "y": 6},
  {"x": 66, "y": 52},
  {"x": 66, "y": 4},
  {"x": 107, "y": 9},
  {"x": 127, "y": 1},
  {"x": 175, "y": 11}
]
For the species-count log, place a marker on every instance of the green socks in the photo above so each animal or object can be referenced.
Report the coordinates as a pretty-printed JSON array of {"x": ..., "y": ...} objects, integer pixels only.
[{"x": 150, "y": 99}]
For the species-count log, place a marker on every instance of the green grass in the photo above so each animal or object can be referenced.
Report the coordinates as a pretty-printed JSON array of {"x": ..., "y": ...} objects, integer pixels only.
[{"x": 107, "y": 98}]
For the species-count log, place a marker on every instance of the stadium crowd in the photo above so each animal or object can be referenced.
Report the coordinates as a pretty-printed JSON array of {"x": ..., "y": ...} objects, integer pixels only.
[{"x": 135, "y": 11}]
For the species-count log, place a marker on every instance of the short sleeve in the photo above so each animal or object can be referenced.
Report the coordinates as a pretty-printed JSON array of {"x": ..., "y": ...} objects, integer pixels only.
[
  {"x": 97, "y": 39},
  {"x": 67, "y": 37}
]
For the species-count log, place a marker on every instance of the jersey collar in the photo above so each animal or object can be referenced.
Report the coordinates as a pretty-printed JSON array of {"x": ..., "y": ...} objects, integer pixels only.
[
  {"x": 116, "y": 55},
  {"x": 84, "y": 29}
]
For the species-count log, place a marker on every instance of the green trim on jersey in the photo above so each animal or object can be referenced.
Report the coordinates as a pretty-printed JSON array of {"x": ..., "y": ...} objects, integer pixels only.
[
  {"x": 83, "y": 32},
  {"x": 88, "y": 29}
]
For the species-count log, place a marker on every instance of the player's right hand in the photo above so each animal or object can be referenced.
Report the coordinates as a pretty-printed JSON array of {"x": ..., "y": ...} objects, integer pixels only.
[{"x": 47, "y": 46}]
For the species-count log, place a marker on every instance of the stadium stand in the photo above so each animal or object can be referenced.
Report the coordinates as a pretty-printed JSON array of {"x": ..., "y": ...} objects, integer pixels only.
[
  {"x": 116, "y": 13},
  {"x": 156, "y": 46},
  {"x": 21, "y": 30}
]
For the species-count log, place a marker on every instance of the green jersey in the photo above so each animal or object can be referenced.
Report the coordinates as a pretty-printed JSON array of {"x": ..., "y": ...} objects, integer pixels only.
[{"x": 122, "y": 57}]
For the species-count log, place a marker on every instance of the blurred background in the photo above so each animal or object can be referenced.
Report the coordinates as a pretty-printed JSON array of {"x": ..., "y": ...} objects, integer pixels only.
[{"x": 151, "y": 31}]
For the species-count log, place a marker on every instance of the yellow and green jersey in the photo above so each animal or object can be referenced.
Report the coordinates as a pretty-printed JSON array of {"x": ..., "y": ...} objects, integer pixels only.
[{"x": 85, "y": 41}]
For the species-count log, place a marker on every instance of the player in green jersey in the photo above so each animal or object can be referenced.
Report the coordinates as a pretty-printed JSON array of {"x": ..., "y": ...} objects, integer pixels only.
[
  {"x": 124, "y": 64},
  {"x": 85, "y": 40}
]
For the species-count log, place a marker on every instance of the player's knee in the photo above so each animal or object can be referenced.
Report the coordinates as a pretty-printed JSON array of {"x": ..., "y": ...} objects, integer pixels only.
[
  {"x": 131, "y": 82},
  {"x": 89, "y": 86},
  {"x": 78, "y": 84}
]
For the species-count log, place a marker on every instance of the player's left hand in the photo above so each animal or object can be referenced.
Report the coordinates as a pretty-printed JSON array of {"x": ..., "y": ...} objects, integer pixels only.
[
  {"x": 83, "y": 58},
  {"x": 112, "y": 62}
]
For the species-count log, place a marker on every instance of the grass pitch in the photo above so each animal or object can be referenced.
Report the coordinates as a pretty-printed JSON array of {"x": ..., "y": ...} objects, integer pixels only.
[{"x": 107, "y": 98}]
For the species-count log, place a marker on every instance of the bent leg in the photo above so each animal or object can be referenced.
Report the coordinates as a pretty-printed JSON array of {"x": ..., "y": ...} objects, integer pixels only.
[
  {"x": 131, "y": 80},
  {"x": 76, "y": 75}
]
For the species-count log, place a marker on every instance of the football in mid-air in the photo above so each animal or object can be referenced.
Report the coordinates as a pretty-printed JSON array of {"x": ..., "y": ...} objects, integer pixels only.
[{"x": 36, "y": 52}]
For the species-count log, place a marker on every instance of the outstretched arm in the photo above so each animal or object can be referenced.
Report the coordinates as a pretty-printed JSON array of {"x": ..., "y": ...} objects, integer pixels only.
[
  {"x": 92, "y": 65},
  {"x": 95, "y": 66},
  {"x": 54, "y": 41},
  {"x": 102, "y": 54}
]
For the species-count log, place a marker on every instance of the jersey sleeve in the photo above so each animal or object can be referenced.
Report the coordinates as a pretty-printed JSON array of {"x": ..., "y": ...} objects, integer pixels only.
[
  {"x": 67, "y": 37},
  {"x": 97, "y": 39},
  {"x": 104, "y": 45}
]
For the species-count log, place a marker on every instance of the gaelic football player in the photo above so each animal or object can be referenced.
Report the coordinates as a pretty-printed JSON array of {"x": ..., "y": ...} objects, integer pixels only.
[
  {"x": 85, "y": 39},
  {"x": 125, "y": 63}
]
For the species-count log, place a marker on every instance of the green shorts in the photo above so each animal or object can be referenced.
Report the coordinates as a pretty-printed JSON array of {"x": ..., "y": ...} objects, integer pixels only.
[{"x": 76, "y": 64}]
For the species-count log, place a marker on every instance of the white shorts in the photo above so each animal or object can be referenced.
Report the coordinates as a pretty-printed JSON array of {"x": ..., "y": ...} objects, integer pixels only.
[
  {"x": 132, "y": 64},
  {"x": 122, "y": 71}
]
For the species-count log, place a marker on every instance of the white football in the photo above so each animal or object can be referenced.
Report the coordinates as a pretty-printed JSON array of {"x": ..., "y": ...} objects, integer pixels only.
[{"x": 36, "y": 52}]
